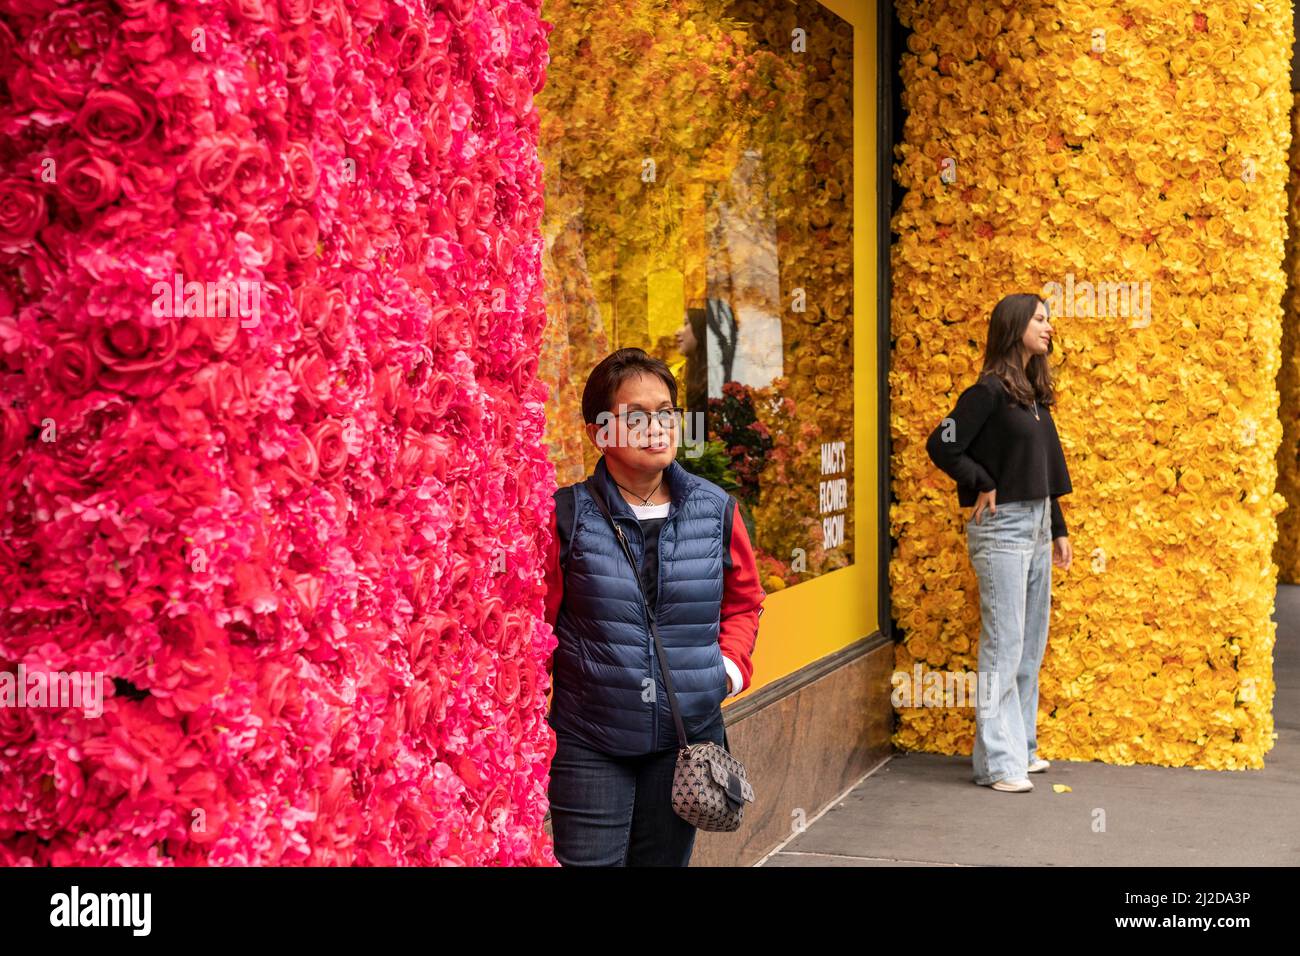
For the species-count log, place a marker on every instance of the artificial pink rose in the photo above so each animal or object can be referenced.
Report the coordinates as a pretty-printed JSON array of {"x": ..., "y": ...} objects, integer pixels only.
[
  {"x": 260, "y": 231},
  {"x": 226, "y": 390},
  {"x": 496, "y": 805},
  {"x": 312, "y": 303},
  {"x": 331, "y": 451},
  {"x": 519, "y": 624},
  {"x": 476, "y": 243},
  {"x": 302, "y": 172},
  {"x": 437, "y": 76},
  {"x": 452, "y": 325},
  {"x": 533, "y": 679},
  {"x": 145, "y": 39},
  {"x": 442, "y": 392},
  {"x": 66, "y": 48},
  {"x": 299, "y": 234},
  {"x": 254, "y": 10},
  {"x": 516, "y": 724},
  {"x": 412, "y": 46},
  {"x": 301, "y": 460},
  {"x": 249, "y": 175},
  {"x": 311, "y": 374},
  {"x": 461, "y": 502},
  {"x": 504, "y": 422},
  {"x": 131, "y": 353},
  {"x": 507, "y": 683},
  {"x": 509, "y": 90},
  {"x": 87, "y": 181},
  {"x": 486, "y": 202},
  {"x": 295, "y": 11},
  {"x": 296, "y": 47},
  {"x": 72, "y": 367},
  {"x": 491, "y": 616},
  {"x": 221, "y": 331},
  {"x": 460, "y": 199},
  {"x": 22, "y": 214},
  {"x": 148, "y": 185},
  {"x": 333, "y": 333},
  {"x": 212, "y": 162},
  {"x": 437, "y": 132},
  {"x": 422, "y": 584},
  {"x": 523, "y": 371},
  {"x": 109, "y": 117}
]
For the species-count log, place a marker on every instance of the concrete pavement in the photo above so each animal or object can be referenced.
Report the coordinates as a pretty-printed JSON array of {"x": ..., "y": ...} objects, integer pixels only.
[{"x": 923, "y": 809}]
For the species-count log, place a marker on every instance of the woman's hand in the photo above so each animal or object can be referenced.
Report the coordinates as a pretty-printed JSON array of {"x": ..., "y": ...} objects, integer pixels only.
[
  {"x": 987, "y": 499},
  {"x": 1062, "y": 553}
]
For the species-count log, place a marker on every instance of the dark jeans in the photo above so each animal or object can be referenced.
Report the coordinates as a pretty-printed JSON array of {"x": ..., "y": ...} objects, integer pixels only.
[{"x": 617, "y": 811}]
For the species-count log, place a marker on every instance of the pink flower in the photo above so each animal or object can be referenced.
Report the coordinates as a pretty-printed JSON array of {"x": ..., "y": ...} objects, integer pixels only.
[
  {"x": 129, "y": 353},
  {"x": 302, "y": 460},
  {"x": 87, "y": 182},
  {"x": 213, "y": 162},
  {"x": 72, "y": 367},
  {"x": 302, "y": 172},
  {"x": 327, "y": 437},
  {"x": 298, "y": 234},
  {"x": 22, "y": 214},
  {"x": 110, "y": 118}
]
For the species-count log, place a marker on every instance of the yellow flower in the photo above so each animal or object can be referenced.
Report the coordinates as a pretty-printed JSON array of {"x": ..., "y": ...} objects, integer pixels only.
[{"x": 1191, "y": 480}]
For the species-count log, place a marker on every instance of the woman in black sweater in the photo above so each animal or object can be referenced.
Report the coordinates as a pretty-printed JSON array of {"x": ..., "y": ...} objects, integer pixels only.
[{"x": 1000, "y": 445}]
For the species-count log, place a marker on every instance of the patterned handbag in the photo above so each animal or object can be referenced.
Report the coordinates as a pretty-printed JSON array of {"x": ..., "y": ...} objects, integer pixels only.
[{"x": 710, "y": 787}]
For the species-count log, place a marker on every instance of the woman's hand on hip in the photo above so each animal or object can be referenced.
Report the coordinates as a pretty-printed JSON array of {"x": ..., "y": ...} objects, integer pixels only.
[{"x": 986, "y": 500}]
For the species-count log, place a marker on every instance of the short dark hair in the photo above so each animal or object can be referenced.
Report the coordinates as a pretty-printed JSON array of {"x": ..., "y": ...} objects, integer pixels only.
[{"x": 615, "y": 369}]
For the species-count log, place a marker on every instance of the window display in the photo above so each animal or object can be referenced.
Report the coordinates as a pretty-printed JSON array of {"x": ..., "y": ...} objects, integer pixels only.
[{"x": 698, "y": 176}]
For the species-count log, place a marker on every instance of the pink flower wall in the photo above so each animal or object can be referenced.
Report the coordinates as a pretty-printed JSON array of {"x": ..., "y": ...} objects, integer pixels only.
[{"x": 297, "y": 529}]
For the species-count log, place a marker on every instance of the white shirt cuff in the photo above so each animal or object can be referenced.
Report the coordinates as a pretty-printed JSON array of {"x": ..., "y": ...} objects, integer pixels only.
[{"x": 733, "y": 671}]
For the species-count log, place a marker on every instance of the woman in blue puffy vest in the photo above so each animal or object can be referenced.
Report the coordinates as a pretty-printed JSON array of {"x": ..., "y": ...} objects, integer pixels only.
[{"x": 616, "y": 745}]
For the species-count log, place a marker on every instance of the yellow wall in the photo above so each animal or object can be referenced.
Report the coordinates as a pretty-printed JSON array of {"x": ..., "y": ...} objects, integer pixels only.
[{"x": 810, "y": 620}]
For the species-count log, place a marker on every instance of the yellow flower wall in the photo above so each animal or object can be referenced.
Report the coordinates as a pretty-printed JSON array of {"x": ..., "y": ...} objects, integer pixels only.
[
  {"x": 1154, "y": 151},
  {"x": 1287, "y": 550}
]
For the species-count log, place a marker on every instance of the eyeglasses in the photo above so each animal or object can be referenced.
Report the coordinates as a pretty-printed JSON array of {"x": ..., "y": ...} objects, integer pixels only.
[{"x": 639, "y": 421}]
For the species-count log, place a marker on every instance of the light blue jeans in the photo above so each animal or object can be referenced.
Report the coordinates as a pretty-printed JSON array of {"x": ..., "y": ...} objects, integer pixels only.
[{"x": 1011, "y": 552}]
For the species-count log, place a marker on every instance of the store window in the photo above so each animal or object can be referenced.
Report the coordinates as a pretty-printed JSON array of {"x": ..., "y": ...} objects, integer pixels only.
[{"x": 698, "y": 177}]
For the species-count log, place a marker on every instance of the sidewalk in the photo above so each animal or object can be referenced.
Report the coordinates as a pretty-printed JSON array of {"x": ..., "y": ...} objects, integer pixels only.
[{"x": 923, "y": 809}]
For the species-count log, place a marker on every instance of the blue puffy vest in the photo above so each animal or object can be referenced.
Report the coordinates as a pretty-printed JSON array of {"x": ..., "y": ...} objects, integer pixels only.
[{"x": 608, "y": 689}]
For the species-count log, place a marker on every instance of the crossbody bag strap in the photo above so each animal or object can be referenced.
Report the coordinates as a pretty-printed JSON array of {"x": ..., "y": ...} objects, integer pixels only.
[{"x": 645, "y": 604}]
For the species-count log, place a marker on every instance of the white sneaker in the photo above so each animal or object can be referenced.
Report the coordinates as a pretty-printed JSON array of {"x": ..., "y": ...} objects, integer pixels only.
[
  {"x": 1039, "y": 765},
  {"x": 1014, "y": 786}
]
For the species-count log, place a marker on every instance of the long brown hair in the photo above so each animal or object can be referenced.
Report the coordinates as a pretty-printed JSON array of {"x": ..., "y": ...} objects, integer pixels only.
[{"x": 1004, "y": 352}]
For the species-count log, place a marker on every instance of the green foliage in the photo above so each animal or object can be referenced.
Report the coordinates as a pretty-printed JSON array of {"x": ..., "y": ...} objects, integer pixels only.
[{"x": 713, "y": 465}]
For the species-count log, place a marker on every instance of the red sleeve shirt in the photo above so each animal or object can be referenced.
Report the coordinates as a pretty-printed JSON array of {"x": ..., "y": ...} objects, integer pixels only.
[
  {"x": 742, "y": 594},
  {"x": 742, "y": 598}
]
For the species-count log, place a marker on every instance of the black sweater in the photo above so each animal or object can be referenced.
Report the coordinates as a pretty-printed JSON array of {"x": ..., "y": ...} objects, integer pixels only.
[{"x": 991, "y": 442}]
